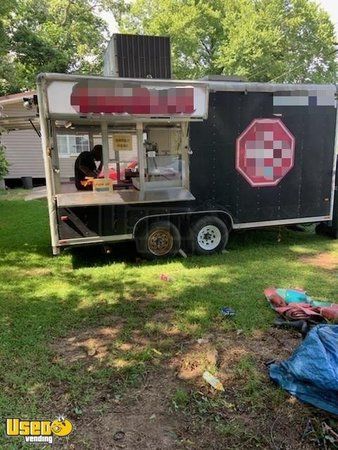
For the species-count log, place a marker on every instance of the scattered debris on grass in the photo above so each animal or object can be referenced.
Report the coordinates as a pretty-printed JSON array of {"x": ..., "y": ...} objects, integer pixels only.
[
  {"x": 213, "y": 381},
  {"x": 171, "y": 406},
  {"x": 321, "y": 434},
  {"x": 165, "y": 277},
  {"x": 194, "y": 360},
  {"x": 296, "y": 304},
  {"x": 119, "y": 435},
  {"x": 227, "y": 312}
]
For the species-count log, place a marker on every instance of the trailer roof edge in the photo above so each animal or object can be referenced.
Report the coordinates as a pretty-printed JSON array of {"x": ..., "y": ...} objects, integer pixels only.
[
  {"x": 71, "y": 77},
  {"x": 216, "y": 85},
  {"x": 239, "y": 86}
]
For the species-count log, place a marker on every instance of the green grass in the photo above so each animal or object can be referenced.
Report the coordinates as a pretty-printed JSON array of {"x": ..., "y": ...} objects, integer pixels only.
[
  {"x": 180, "y": 399},
  {"x": 13, "y": 194},
  {"x": 44, "y": 298}
]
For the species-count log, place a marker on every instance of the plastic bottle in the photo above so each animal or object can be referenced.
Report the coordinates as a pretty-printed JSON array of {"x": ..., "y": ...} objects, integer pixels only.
[{"x": 213, "y": 381}]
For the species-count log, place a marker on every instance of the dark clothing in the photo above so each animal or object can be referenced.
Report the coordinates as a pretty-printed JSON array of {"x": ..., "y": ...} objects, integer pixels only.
[{"x": 85, "y": 159}]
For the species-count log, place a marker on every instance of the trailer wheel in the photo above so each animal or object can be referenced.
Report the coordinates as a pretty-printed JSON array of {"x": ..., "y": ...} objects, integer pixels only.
[
  {"x": 208, "y": 235},
  {"x": 159, "y": 240}
]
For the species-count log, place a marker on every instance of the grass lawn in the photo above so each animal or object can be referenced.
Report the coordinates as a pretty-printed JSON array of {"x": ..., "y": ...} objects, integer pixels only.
[{"x": 86, "y": 335}]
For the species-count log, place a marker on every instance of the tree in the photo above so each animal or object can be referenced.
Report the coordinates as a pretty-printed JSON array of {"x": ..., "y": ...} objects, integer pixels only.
[
  {"x": 4, "y": 166},
  {"x": 262, "y": 40},
  {"x": 51, "y": 36},
  {"x": 6, "y": 7}
]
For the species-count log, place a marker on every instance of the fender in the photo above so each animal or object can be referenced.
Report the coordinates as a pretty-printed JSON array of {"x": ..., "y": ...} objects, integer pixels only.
[{"x": 206, "y": 212}]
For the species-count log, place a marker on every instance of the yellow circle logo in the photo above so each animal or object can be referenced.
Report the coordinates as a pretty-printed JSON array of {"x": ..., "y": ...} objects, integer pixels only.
[{"x": 61, "y": 427}]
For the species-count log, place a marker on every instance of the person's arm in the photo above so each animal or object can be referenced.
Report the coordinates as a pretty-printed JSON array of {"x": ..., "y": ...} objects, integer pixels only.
[
  {"x": 99, "y": 169},
  {"x": 87, "y": 172}
]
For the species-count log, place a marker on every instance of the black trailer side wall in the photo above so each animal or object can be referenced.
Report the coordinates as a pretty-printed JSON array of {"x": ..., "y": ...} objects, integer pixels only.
[
  {"x": 304, "y": 192},
  {"x": 109, "y": 220}
]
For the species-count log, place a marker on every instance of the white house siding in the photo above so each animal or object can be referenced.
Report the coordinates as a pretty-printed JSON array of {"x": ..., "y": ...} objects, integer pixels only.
[
  {"x": 24, "y": 154},
  {"x": 16, "y": 109},
  {"x": 67, "y": 167},
  {"x": 23, "y": 149}
]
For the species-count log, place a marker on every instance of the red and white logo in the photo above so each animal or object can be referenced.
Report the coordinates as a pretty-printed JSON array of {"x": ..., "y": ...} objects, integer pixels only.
[{"x": 265, "y": 152}]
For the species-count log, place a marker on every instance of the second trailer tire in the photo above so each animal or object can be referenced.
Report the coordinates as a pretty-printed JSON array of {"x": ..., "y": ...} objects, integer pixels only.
[
  {"x": 208, "y": 235},
  {"x": 159, "y": 240}
]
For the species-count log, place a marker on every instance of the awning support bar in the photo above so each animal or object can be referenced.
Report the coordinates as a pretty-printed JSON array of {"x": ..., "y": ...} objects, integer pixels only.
[{"x": 35, "y": 129}]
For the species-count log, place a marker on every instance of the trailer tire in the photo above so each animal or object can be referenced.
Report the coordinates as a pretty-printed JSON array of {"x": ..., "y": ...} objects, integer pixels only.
[
  {"x": 208, "y": 235},
  {"x": 159, "y": 240}
]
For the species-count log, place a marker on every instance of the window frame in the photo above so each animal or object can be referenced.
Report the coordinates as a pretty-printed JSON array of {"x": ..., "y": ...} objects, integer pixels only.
[{"x": 79, "y": 147}]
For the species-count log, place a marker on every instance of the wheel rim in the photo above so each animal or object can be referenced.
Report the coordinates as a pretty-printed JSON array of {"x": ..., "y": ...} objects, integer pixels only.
[
  {"x": 160, "y": 242},
  {"x": 209, "y": 237}
]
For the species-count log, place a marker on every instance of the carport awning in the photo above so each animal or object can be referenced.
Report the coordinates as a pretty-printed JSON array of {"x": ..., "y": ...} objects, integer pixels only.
[{"x": 28, "y": 122}]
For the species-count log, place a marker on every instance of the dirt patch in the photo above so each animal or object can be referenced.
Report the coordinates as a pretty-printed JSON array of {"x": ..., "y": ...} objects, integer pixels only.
[
  {"x": 141, "y": 420},
  {"x": 221, "y": 352},
  {"x": 274, "y": 344},
  {"x": 261, "y": 348},
  {"x": 251, "y": 413},
  {"x": 322, "y": 260},
  {"x": 93, "y": 343},
  {"x": 191, "y": 364}
]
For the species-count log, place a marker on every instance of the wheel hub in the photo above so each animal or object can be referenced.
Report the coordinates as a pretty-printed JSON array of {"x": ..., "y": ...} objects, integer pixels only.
[
  {"x": 160, "y": 242},
  {"x": 209, "y": 237}
]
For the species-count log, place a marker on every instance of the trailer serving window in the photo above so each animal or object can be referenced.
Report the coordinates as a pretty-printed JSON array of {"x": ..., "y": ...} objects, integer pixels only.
[
  {"x": 143, "y": 127},
  {"x": 164, "y": 150}
]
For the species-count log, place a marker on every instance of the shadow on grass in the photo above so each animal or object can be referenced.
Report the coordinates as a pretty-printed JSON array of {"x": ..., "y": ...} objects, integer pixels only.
[
  {"x": 44, "y": 300},
  {"x": 248, "y": 241},
  {"x": 97, "y": 255}
]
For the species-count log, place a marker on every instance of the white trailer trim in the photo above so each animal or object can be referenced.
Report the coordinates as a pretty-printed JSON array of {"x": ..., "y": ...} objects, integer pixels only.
[
  {"x": 268, "y": 223},
  {"x": 95, "y": 240},
  {"x": 46, "y": 151}
]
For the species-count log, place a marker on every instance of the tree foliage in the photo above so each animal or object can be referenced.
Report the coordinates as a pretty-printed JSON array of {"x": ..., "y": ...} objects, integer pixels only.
[
  {"x": 263, "y": 40},
  {"x": 4, "y": 166},
  {"x": 48, "y": 35}
]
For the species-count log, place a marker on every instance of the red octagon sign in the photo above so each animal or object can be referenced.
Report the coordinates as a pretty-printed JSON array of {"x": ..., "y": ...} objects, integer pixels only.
[{"x": 265, "y": 152}]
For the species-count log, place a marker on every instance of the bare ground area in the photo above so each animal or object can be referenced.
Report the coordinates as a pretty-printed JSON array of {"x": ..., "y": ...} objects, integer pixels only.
[
  {"x": 171, "y": 406},
  {"x": 325, "y": 260}
]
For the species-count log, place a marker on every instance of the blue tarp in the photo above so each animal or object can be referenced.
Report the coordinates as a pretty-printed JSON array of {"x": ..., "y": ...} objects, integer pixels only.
[{"x": 311, "y": 374}]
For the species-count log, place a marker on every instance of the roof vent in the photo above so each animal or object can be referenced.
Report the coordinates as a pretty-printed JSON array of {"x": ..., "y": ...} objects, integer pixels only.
[{"x": 134, "y": 56}]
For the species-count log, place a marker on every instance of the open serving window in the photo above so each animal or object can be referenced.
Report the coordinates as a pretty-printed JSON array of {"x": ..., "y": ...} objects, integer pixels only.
[{"x": 142, "y": 125}]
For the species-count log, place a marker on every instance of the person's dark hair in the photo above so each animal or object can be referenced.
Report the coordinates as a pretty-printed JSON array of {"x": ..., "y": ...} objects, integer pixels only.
[{"x": 97, "y": 152}]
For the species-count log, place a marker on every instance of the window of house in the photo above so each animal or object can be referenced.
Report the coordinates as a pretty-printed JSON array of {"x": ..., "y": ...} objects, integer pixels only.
[{"x": 72, "y": 145}]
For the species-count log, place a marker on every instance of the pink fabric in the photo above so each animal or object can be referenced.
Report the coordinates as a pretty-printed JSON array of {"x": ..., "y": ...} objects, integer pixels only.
[
  {"x": 274, "y": 298},
  {"x": 330, "y": 313},
  {"x": 299, "y": 311}
]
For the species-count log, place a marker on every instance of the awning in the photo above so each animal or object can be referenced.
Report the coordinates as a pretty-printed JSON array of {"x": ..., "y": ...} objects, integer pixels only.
[{"x": 19, "y": 123}]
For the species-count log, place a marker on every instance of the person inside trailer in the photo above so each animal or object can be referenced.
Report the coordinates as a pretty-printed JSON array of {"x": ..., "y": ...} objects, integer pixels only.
[{"x": 86, "y": 168}]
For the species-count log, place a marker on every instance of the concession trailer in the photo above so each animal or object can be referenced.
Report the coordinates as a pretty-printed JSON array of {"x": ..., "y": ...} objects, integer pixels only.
[{"x": 186, "y": 162}]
